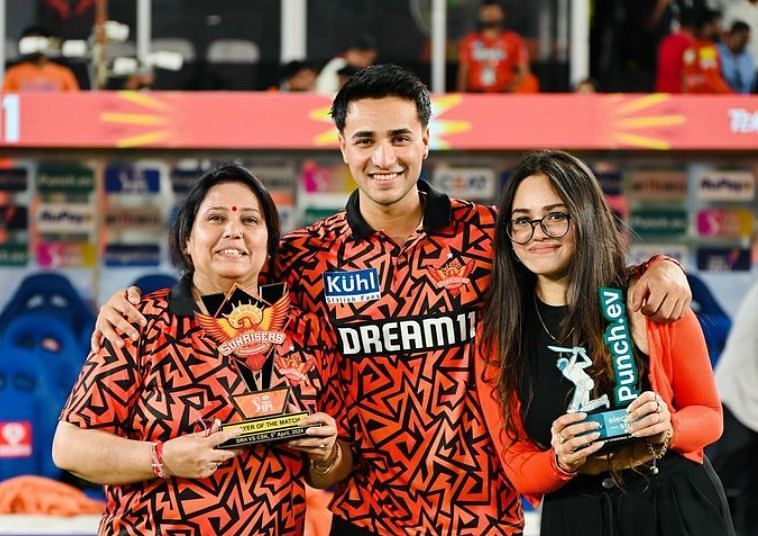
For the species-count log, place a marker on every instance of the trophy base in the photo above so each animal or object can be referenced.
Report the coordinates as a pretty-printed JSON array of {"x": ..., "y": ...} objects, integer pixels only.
[
  {"x": 613, "y": 426},
  {"x": 266, "y": 430}
]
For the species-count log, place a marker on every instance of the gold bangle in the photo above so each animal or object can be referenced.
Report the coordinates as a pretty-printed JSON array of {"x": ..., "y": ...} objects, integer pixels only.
[{"x": 327, "y": 466}]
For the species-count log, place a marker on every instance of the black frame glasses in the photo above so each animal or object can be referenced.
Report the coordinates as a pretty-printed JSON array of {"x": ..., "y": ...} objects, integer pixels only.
[{"x": 545, "y": 227}]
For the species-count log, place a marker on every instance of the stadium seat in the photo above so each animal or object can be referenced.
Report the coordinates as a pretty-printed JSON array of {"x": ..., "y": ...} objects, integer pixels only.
[
  {"x": 152, "y": 282},
  {"x": 165, "y": 79},
  {"x": 29, "y": 411},
  {"x": 53, "y": 293},
  {"x": 53, "y": 344}
]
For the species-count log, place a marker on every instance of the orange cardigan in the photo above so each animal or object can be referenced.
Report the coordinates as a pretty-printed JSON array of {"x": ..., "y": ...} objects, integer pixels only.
[{"x": 680, "y": 372}]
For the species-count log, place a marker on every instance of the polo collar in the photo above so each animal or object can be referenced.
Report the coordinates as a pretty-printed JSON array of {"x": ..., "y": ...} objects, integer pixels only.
[{"x": 436, "y": 212}]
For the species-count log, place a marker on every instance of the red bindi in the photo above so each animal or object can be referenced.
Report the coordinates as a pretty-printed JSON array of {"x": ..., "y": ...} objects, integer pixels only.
[{"x": 234, "y": 209}]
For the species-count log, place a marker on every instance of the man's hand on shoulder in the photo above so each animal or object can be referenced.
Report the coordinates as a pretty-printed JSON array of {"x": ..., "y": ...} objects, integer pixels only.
[
  {"x": 116, "y": 317},
  {"x": 661, "y": 292}
]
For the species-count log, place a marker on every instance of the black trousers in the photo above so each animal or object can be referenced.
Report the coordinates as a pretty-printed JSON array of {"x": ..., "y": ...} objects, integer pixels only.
[
  {"x": 684, "y": 498},
  {"x": 735, "y": 459},
  {"x": 340, "y": 527}
]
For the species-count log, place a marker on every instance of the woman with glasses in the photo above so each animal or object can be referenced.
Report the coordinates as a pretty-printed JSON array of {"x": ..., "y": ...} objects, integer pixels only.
[{"x": 544, "y": 369}]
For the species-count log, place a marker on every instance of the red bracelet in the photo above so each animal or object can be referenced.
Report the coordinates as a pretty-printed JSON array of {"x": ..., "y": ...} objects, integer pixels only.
[{"x": 156, "y": 453}]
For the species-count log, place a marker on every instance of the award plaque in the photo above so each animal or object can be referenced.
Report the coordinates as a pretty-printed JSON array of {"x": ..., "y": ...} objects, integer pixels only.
[
  {"x": 618, "y": 339},
  {"x": 609, "y": 412},
  {"x": 250, "y": 328}
]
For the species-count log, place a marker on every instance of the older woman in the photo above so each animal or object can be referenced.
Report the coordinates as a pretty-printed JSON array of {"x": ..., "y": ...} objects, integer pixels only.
[{"x": 144, "y": 419}]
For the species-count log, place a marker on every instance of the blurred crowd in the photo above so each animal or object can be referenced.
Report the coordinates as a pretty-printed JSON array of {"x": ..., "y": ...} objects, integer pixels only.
[{"x": 674, "y": 46}]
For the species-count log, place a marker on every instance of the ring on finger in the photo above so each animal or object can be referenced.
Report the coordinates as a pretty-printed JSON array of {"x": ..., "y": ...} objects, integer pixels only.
[
  {"x": 561, "y": 438},
  {"x": 322, "y": 445}
]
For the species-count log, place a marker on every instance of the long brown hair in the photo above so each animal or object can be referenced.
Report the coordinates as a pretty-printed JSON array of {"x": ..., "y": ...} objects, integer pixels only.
[{"x": 598, "y": 261}]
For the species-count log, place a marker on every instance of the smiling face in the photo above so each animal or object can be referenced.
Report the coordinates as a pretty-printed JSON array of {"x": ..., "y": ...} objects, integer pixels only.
[
  {"x": 228, "y": 240},
  {"x": 546, "y": 257},
  {"x": 384, "y": 145}
]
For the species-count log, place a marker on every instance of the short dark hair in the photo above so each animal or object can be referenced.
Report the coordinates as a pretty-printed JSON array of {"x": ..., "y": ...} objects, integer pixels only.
[
  {"x": 181, "y": 228},
  {"x": 378, "y": 81},
  {"x": 364, "y": 42},
  {"x": 487, "y": 3},
  {"x": 739, "y": 26},
  {"x": 36, "y": 30},
  {"x": 705, "y": 17},
  {"x": 291, "y": 68}
]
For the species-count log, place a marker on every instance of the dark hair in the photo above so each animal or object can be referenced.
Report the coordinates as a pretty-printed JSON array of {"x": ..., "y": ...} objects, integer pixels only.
[
  {"x": 705, "y": 17},
  {"x": 739, "y": 26},
  {"x": 40, "y": 31},
  {"x": 687, "y": 18},
  {"x": 598, "y": 261},
  {"x": 291, "y": 68},
  {"x": 487, "y": 3},
  {"x": 364, "y": 42},
  {"x": 185, "y": 218},
  {"x": 378, "y": 81}
]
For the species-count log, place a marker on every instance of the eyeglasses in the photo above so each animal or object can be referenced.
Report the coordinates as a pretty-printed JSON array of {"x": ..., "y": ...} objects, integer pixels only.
[{"x": 554, "y": 225}]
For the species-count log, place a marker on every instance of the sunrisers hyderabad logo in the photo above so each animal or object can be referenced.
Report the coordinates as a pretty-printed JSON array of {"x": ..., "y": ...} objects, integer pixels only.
[
  {"x": 249, "y": 327},
  {"x": 452, "y": 275}
]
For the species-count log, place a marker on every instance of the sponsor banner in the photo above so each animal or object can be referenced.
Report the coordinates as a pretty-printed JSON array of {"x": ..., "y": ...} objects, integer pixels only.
[
  {"x": 14, "y": 254},
  {"x": 13, "y": 179},
  {"x": 123, "y": 255},
  {"x": 725, "y": 223},
  {"x": 734, "y": 259},
  {"x": 277, "y": 178},
  {"x": 66, "y": 177},
  {"x": 15, "y": 439},
  {"x": 183, "y": 179},
  {"x": 142, "y": 218},
  {"x": 611, "y": 182},
  {"x": 466, "y": 183},
  {"x": 668, "y": 222},
  {"x": 726, "y": 186},
  {"x": 126, "y": 119},
  {"x": 66, "y": 254},
  {"x": 65, "y": 218},
  {"x": 318, "y": 178},
  {"x": 658, "y": 185},
  {"x": 121, "y": 179},
  {"x": 313, "y": 214},
  {"x": 13, "y": 218},
  {"x": 639, "y": 253}
]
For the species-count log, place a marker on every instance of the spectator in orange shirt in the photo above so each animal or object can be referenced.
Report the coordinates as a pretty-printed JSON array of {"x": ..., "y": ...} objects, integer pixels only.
[
  {"x": 668, "y": 78},
  {"x": 701, "y": 67},
  {"x": 36, "y": 72},
  {"x": 492, "y": 60}
]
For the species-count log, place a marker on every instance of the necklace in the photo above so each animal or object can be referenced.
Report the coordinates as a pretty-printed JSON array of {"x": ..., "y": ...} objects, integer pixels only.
[{"x": 544, "y": 326}]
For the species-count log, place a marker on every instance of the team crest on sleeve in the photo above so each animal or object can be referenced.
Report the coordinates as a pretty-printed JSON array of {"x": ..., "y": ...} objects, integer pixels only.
[
  {"x": 247, "y": 326},
  {"x": 352, "y": 287},
  {"x": 451, "y": 274}
]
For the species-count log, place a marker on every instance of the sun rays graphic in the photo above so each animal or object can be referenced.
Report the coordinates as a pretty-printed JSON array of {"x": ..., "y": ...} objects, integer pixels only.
[
  {"x": 438, "y": 126},
  {"x": 160, "y": 122},
  {"x": 630, "y": 124}
]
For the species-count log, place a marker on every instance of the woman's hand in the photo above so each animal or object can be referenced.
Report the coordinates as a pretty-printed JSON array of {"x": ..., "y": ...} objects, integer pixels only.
[
  {"x": 574, "y": 440},
  {"x": 320, "y": 444},
  {"x": 196, "y": 455},
  {"x": 649, "y": 417}
]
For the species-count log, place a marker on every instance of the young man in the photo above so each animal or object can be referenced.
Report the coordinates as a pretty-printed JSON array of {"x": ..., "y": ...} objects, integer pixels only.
[{"x": 399, "y": 278}]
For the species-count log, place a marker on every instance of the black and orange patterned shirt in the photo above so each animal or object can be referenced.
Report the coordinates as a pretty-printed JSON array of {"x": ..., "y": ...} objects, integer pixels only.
[
  {"x": 404, "y": 319},
  {"x": 160, "y": 389}
]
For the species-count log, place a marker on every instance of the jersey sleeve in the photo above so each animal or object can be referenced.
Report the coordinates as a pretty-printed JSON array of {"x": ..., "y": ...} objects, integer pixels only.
[{"x": 106, "y": 391}]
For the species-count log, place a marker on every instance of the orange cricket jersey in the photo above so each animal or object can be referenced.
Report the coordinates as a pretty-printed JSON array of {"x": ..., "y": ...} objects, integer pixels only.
[
  {"x": 159, "y": 388},
  {"x": 404, "y": 319},
  {"x": 492, "y": 62}
]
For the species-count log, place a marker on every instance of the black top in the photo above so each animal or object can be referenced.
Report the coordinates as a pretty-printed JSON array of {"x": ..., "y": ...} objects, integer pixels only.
[{"x": 552, "y": 390}]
